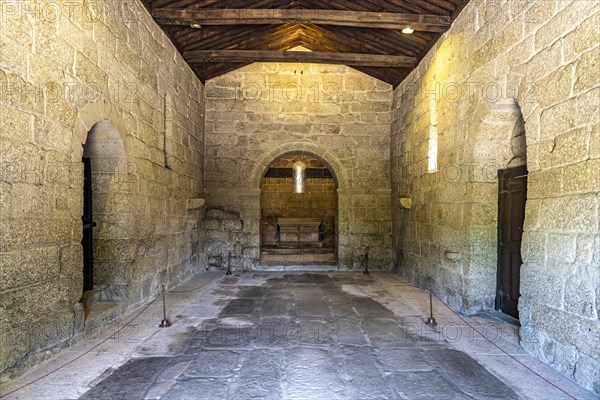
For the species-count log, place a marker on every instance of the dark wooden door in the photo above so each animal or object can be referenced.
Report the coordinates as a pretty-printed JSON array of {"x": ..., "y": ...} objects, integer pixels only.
[
  {"x": 512, "y": 195},
  {"x": 88, "y": 224}
]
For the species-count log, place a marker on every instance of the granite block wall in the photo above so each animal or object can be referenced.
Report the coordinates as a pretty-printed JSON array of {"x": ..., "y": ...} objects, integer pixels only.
[
  {"x": 75, "y": 73},
  {"x": 510, "y": 83}
]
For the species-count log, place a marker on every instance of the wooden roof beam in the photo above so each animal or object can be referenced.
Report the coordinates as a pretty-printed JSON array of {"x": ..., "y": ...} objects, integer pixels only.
[
  {"x": 365, "y": 19},
  {"x": 246, "y": 56}
]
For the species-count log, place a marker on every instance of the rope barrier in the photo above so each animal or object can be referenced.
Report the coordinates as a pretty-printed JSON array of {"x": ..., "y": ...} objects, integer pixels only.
[{"x": 103, "y": 341}]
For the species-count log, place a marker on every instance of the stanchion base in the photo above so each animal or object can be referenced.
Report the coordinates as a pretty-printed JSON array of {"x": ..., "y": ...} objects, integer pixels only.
[
  {"x": 366, "y": 272},
  {"x": 164, "y": 323},
  {"x": 431, "y": 321},
  {"x": 228, "y": 272}
]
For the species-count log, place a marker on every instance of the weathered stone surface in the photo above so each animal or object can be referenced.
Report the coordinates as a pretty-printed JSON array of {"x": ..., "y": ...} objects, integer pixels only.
[
  {"x": 65, "y": 91},
  {"x": 585, "y": 74},
  {"x": 588, "y": 370},
  {"x": 560, "y": 248},
  {"x": 547, "y": 63},
  {"x": 349, "y": 331},
  {"x": 133, "y": 380},
  {"x": 460, "y": 369},
  {"x": 15, "y": 123},
  {"x": 363, "y": 372},
  {"x": 541, "y": 184},
  {"x": 547, "y": 288},
  {"x": 313, "y": 370},
  {"x": 65, "y": 81},
  {"x": 570, "y": 214},
  {"x": 285, "y": 368},
  {"x": 260, "y": 375},
  {"x": 567, "y": 329},
  {"x": 314, "y": 122},
  {"x": 564, "y": 149},
  {"x": 582, "y": 177},
  {"x": 404, "y": 360},
  {"x": 29, "y": 267},
  {"x": 580, "y": 298},
  {"x": 423, "y": 385},
  {"x": 582, "y": 38},
  {"x": 212, "y": 364}
]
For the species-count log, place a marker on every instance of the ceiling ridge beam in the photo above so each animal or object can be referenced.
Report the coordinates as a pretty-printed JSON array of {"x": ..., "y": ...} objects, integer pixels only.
[
  {"x": 371, "y": 60},
  {"x": 364, "y": 19}
]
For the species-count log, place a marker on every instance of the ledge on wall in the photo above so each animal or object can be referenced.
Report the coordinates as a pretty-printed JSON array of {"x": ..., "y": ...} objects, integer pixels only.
[
  {"x": 193, "y": 204},
  {"x": 405, "y": 203}
]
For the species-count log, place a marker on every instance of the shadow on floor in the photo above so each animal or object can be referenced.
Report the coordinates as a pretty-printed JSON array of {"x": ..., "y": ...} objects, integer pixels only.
[{"x": 301, "y": 336}]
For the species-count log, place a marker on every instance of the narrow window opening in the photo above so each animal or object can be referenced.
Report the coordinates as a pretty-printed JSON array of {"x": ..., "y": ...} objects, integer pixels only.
[
  {"x": 299, "y": 168},
  {"x": 167, "y": 139},
  {"x": 432, "y": 154}
]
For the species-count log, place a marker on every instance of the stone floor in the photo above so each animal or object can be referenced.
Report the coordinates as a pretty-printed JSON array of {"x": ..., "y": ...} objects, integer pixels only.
[{"x": 273, "y": 335}]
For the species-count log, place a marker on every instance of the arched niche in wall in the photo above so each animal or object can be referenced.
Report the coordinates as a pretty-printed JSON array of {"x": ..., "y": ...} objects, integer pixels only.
[
  {"x": 108, "y": 186},
  {"x": 499, "y": 137},
  {"x": 298, "y": 205},
  {"x": 168, "y": 140}
]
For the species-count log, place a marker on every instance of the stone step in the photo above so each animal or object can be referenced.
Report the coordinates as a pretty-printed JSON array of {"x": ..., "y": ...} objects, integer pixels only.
[
  {"x": 102, "y": 314},
  {"x": 294, "y": 245},
  {"x": 294, "y": 251},
  {"x": 323, "y": 267},
  {"x": 91, "y": 297},
  {"x": 299, "y": 259},
  {"x": 318, "y": 250}
]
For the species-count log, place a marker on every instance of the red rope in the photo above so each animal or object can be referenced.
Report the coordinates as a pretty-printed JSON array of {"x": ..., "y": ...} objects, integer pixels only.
[
  {"x": 502, "y": 350},
  {"x": 96, "y": 346}
]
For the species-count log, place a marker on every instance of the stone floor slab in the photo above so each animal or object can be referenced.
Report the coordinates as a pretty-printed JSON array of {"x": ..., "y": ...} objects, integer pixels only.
[
  {"x": 197, "y": 389},
  {"x": 313, "y": 372},
  {"x": 212, "y": 364}
]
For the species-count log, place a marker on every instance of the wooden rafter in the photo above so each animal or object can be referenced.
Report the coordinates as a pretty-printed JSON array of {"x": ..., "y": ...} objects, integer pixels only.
[
  {"x": 378, "y": 20},
  {"x": 242, "y": 56},
  {"x": 369, "y": 29}
]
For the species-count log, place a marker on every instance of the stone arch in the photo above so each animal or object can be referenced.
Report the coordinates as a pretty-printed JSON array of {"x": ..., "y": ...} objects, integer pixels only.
[
  {"x": 497, "y": 136},
  {"x": 105, "y": 145},
  {"x": 337, "y": 169},
  {"x": 90, "y": 115},
  {"x": 303, "y": 153},
  {"x": 284, "y": 209}
]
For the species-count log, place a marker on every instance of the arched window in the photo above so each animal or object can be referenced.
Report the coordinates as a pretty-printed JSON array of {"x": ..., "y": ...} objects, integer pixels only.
[
  {"x": 168, "y": 139},
  {"x": 299, "y": 176},
  {"x": 432, "y": 153}
]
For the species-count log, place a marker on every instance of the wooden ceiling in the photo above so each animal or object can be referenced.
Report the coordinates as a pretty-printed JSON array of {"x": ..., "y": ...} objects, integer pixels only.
[{"x": 218, "y": 36}]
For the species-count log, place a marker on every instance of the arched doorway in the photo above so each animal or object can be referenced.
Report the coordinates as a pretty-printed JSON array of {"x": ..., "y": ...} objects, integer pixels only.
[
  {"x": 105, "y": 176},
  {"x": 501, "y": 146},
  {"x": 298, "y": 205},
  {"x": 512, "y": 198}
]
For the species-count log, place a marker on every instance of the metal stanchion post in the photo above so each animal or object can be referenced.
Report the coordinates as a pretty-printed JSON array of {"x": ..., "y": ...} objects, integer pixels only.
[
  {"x": 431, "y": 320},
  {"x": 165, "y": 322},
  {"x": 228, "y": 264}
]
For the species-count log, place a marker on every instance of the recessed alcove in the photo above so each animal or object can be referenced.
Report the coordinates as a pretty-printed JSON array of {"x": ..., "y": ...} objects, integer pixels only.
[{"x": 298, "y": 211}]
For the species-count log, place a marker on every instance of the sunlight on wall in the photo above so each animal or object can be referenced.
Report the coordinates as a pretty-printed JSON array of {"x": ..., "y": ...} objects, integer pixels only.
[
  {"x": 432, "y": 155},
  {"x": 299, "y": 177}
]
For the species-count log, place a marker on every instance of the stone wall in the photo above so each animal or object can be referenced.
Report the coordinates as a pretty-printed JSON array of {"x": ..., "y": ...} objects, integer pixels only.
[
  {"x": 259, "y": 112},
  {"x": 504, "y": 68},
  {"x": 95, "y": 72},
  {"x": 226, "y": 242}
]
